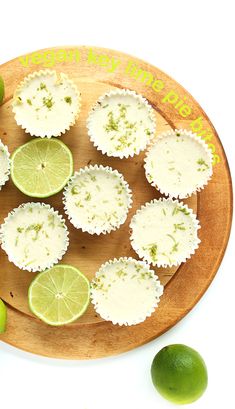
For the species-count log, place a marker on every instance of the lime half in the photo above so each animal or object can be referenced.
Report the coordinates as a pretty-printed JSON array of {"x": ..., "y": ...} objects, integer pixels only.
[
  {"x": 179, "y": 374},
  {"x": 41, "y": 167},
  {"x": 3, "y": 317},
  {"x": 1, "y": 90},
  {"x": 59, "y": 295}
]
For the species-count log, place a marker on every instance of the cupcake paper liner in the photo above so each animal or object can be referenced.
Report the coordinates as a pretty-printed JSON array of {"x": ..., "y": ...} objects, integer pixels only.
[
  {"x": 125, "y": 291},
  {"x": 46, "y": 104},
  {"x": 30, "y": 241},
  {"x": 4, "y": 164},
  {"x": 94, "y": 205},
  {"x": 123, "y": 135},
  {"x": 174, "y": 173},
  {"x": 164, "y": 232}
]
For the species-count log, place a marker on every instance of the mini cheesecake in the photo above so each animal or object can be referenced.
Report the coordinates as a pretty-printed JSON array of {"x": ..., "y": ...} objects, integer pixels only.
[
  {"x": 179, "y": 163},
  {"x": 34, "y": 236},
  {"x": 97, "y": 199},
  {"x": 4, "y": 164},
  {"x": 121, "y": 123},
  {"x": 46, "y": 104},
  {"x": 164, "y": 232},
  {"x": 125, "y": 291}
]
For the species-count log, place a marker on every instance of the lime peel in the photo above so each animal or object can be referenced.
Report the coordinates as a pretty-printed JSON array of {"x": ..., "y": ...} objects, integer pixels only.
[
  {"x": 179, "y": 374},
  {"x": 2, "y": 90},
  {"x": 3, "y": 317}
]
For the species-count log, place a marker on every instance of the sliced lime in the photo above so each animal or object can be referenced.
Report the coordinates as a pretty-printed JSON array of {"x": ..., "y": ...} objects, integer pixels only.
[
  {"x": 41, "y": 167},
  {"x": 1, "y": 90},
  {"x": 59, "y": 295},
  {"x": 3, "y": 317}
]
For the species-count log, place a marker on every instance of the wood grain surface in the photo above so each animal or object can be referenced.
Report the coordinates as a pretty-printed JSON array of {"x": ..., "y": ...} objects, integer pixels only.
[{"x": 90, "y": 336}]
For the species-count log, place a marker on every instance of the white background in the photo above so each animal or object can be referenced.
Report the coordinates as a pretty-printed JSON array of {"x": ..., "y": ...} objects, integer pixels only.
[{"x": 193, "y": 41}]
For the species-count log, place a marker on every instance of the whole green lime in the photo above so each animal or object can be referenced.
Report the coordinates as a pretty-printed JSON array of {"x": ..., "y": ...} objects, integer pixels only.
[
  {"x": 3, "y": 317},
  {"x": 1, "y": 90},
  {"x": 179, "y": 374}
]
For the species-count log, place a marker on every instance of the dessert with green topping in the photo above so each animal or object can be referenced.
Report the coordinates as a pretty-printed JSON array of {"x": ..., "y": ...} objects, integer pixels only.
[
  {"x": 46, "y": 104},
  {"x": 125, "y": 291},
  {"x": 179, "y": 163},
  {"x": 4, "y": 164},
  {"x": 97, "y": 199},
  {"x": 121, "y": 123},
  {"x": 34, "y": 236},
  {"x": 164, "y": 232}
]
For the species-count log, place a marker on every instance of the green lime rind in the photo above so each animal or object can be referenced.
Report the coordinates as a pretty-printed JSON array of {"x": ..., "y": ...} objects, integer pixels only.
[
  {"x": 59, "y": 295},
  {"x": 42, "y": 167},
  {"x": 3, "y": 317},
  {"x": 2, "y": 90},
  {"x": 179, "y": 374}
]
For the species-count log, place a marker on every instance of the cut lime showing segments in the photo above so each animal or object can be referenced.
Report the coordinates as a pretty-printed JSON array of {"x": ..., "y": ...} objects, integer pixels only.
[
  {"x": 1, "y": 90},
  {"x": 179, "y": 374},
  {"x": 41, "y": 167},
  {"x": 59, "y": 295},
  {"x": 3, "y": 317}
]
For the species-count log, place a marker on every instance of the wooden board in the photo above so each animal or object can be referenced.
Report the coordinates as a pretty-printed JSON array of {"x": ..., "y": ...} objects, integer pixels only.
[{"x": 90, "y": 336}]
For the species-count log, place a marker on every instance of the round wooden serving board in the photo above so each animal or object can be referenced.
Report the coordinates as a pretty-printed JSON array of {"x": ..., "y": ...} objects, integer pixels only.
[{"x": 95, "y": 71}]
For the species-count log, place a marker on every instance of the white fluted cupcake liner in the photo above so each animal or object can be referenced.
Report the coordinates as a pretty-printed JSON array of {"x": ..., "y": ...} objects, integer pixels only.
[
  {"x": 34, "y": 236},
  {"x": 46, "y": 104},
  {"x": 177, "y": 169},
  {"x": 4, "y": 164},
  {"x": 164, "y": 232},
  {"x": 97, "y": 199},
  {"x": 111, "y": 140},
  {"x": 125, "y": 291}
]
